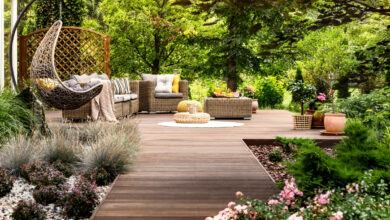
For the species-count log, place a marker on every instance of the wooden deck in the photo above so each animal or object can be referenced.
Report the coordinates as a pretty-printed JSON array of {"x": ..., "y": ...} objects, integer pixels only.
[{"x": 192, "y": 173}]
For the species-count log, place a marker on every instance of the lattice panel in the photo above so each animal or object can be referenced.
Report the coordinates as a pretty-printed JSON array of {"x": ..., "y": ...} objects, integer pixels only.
[{"x": 78, "y": 51}]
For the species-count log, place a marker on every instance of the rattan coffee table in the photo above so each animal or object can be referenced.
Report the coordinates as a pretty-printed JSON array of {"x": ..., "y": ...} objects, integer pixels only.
[
  {"x": 185, "y": 117},
  {"x": 228, "y": 107}
]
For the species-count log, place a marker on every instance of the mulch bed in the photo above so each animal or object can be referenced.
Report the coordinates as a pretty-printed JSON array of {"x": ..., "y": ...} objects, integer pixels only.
[{"x": 276, "y": 169}]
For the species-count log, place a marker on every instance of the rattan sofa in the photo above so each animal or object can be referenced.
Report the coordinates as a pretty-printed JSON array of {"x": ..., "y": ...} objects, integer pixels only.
[
  {"x": 122, "y": 109},
  {"x": 150, "y": 103}
]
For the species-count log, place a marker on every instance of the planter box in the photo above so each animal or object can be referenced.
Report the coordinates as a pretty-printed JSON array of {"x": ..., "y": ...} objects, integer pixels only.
[{"x": 302, "y": 122}]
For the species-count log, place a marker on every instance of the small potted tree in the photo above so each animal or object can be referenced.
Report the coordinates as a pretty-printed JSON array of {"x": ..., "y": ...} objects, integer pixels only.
[{"x": 302, "y": 93}]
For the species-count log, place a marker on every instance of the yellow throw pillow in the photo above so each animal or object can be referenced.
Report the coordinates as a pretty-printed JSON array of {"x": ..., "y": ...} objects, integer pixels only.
[
  {"x": 47, "y": 83},
  {"x": 175, "y": 84}
]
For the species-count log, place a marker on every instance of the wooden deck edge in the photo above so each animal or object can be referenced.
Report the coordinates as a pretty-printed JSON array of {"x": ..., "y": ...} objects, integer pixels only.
[
  {"x": 104, "y": 199},
  {"x": 320, "y": 142},
  {"x": 250, "y": 151}
]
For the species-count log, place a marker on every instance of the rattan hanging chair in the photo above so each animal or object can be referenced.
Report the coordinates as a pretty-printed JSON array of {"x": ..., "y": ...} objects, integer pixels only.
[{"x": 48, "y": 85}]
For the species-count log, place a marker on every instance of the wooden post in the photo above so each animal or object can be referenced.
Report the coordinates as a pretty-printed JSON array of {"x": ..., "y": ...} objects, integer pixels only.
[
  {"x": 107, "y": 40},
  {"x": 2, "y": 57},
  {"x": 23, "y": 75}
]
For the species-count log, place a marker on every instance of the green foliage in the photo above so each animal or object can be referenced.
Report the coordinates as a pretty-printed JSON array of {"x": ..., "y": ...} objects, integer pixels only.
[
  {"x": 360, "y": 152},
  {"x": 269, "y": 92},
  {"x": 313, "y": 169},
  {"x": 291, "y": 145},
  {"x": 298, "y": 76},
  {"x": 15, "y": 118},
  {"x": 302, "y": 92},
  {"x": 6, "y": 182},
  {"x": 373, "y": 108},
  {"x": 71, "y": 12},
  {"x": 275, "y": 156},
  {"x": 28, "y": 210}
]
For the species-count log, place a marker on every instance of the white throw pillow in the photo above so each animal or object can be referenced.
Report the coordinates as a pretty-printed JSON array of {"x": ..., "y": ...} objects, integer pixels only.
[{"x": 164, "y": 83}]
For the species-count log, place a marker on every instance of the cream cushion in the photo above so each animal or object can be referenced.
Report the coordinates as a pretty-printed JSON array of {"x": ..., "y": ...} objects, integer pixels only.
[{"x": 164, "y": 83}]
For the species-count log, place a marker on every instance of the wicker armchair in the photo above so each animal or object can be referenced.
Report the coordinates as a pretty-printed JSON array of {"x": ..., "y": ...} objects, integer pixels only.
[
  {"x": 122, "y": 109},
  {"x": 149, "y": 103}
]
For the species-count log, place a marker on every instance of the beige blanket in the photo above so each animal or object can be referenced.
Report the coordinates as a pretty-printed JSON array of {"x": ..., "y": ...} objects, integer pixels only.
[{"x": 103, "y": 104}]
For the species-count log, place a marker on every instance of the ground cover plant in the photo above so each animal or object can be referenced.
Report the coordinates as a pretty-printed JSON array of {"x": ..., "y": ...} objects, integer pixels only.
[{"x": 66, "y": 168}]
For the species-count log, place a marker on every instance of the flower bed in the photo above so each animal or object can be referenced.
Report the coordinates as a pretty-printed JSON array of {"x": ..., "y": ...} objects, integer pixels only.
[{"x": 355, "y": 201}]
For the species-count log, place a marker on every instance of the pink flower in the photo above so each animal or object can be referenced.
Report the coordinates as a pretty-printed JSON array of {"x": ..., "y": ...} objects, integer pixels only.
[
  {"x": 239, "y": 194},
  {"x": 321, "y": 97},
  {"x": 273, "y": 202},
  {"x": 295, "y": 217},
  {"x": 231, "y": 204},
  {"x": 338, "y": 215},
  {"x": 250, "y": 89},
  {"x": 330, "y": 92}
]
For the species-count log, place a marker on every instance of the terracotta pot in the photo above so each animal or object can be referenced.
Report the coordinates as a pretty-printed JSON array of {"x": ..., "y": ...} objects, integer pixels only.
[
  {"x": 318, "y": 118},
  {"x": 255, "y": 105},
  {"x": 334, "y": 123}
]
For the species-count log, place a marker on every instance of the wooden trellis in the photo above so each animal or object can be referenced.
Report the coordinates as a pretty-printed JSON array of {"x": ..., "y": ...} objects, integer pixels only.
[{"x": 79, "y": 51}]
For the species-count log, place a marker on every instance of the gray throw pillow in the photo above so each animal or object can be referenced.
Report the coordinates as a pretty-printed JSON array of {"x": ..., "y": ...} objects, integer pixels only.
[
  {"x": 149, "y": 77},
  {"x": 164, "y": 83}
]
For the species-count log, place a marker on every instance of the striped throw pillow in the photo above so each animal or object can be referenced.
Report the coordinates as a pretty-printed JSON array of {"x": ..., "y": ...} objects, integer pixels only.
[{"x": 121, "y": 86}]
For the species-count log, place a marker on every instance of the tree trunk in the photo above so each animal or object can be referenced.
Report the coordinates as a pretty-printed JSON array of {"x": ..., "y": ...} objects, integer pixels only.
[
  {"x": 156, "y": 60},
  {"x": 302, "y": 108},
  {"x": 232, "y": 74}
]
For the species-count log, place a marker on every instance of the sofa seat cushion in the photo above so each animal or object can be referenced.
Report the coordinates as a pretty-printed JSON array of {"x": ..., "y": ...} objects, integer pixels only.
[
  {"x": 122, "y": 98},
  {"x": 168, "y": 95},
  {"x": 133, "y": 96}
]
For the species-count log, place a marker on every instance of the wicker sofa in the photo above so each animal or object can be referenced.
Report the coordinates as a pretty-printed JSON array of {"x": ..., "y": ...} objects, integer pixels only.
[
  {"x": 152, "y": 102},
  {"x": 122, "y": 109}
]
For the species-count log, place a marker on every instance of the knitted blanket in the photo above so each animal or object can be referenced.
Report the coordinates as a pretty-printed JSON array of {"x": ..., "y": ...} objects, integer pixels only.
[{"x": 103, "y": 104}]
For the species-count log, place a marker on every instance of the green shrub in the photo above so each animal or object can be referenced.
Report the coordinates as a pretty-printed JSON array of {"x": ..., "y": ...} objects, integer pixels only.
[
  {"x": 313, "y": 169},
  {"x": 81, "y": 200},
  {"x": 100, "y": 176},
  {"x": 373, "y": 108},
  {"x": 6, "y": 182},
  {"x": 62, "y": 146},
  {"x": 269, "y": 92},
  {"x": 275, "y": 156},
  {"x": 114, "y": 151},
  {"x": 46, "y": 195},
  {"x": 17, "y": 152},
  {"x": 28, "y": 210},
  {"x": 15, "y": 118},
  {"x": 302, "y": 93},
  {"x": 290, "y": 145}
]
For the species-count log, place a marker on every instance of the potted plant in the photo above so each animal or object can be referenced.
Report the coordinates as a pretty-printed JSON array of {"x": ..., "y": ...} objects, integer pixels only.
[
  {"x": 249, "y": 92},
  {"x": 318, "y": 115},
  {"x": 302, "y": 93},
  {"x": 334, "y": 122}
]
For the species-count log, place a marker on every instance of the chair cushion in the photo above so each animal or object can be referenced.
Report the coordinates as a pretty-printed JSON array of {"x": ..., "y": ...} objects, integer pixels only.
[
  {"x": 175, "y": 84},
  {"x": 164, "y": 83},
  {"x": 133, "y": 96},
  {"x": 122, "y": 98},
  {"x": 149, "y": 77},
  {"x": 121, "y": 86},
  {"x": 168, "y": 95}
]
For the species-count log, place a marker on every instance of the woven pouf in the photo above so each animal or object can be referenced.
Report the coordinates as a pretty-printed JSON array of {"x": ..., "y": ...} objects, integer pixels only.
[
  {"x": 182, "y": 106},
  {"x": 185, "y": 117}
]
